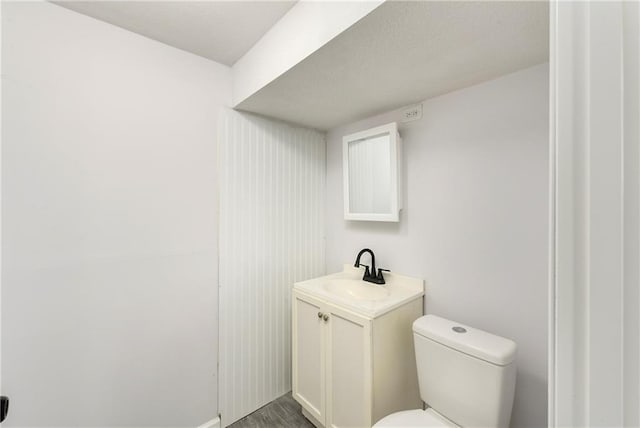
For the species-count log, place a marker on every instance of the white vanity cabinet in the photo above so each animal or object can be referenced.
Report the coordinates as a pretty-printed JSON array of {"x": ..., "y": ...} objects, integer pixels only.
[{"x": 349, "y": 369}]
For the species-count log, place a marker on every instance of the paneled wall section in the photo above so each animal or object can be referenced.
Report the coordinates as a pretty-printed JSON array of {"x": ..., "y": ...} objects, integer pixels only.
[{"x": 272, "y": 184}]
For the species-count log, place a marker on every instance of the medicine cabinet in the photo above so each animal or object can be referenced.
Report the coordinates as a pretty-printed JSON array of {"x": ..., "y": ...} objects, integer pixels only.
[{"x": 371, "y": 171}]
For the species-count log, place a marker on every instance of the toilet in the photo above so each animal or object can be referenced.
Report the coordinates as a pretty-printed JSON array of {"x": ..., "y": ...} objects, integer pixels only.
[{"x": 466, "y": 376}]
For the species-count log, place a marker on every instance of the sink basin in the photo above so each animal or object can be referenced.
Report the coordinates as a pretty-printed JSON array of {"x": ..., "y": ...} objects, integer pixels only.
[
  {"x": 347, "y": 289},
  {"x": 355, "y": 289}
]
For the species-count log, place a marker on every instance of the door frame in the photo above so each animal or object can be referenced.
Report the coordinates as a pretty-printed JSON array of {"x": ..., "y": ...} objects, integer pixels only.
[{"x": 594, "y": 232}]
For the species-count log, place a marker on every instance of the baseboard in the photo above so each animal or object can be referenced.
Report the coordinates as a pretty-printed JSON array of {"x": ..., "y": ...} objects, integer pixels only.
[{"x": 213, "y": 423}]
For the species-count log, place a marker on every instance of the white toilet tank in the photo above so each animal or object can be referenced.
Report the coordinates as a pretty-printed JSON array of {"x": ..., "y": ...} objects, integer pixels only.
[{"x": 466, "y": 375}]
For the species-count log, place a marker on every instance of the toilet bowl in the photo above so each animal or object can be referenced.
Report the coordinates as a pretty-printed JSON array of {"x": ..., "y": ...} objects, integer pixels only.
[
  {"x": 415, "y": 418},
  {"x": 466, "y": 377}
]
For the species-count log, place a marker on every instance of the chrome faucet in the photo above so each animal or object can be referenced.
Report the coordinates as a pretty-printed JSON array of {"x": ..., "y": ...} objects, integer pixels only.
[{"x": 370, "y": 275}]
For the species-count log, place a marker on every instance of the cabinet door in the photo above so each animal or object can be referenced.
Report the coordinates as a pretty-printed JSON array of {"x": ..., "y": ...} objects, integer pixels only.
[
  {"x": 348, "y": 369},
  {"x": 308, "y": 355}
]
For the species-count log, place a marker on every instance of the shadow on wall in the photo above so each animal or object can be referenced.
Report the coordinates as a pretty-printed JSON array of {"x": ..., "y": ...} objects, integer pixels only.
[{"x": 529, "y": 404}]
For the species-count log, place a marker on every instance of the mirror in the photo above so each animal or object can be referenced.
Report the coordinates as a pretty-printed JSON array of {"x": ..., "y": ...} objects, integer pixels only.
[{"x": 371, "y": 174}]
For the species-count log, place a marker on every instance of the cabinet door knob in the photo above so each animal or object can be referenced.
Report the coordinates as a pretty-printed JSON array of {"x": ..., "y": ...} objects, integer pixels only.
[
  {"x": 320, "y": 314},
  {"x": 325, "y": 317}
]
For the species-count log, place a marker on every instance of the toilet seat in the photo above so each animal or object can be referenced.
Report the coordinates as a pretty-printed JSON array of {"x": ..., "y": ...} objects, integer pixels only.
[{"x": 414, "y": 418}]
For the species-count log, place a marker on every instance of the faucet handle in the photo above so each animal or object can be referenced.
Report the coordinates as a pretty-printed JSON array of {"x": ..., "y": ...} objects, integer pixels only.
[
  {"x": 366, "y": 269},
  {"x": 380, "y": 270}
]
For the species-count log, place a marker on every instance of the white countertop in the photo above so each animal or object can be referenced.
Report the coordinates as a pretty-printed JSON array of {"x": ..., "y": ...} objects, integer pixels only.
[{"x": 399, "y": 289}]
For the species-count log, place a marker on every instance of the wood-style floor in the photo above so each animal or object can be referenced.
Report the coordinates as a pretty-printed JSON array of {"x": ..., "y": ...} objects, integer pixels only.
[{"x": 282, "y": 412}]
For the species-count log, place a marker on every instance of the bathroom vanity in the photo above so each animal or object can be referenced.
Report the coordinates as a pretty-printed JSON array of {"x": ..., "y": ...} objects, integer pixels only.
[{"x": 352, "y": 347}]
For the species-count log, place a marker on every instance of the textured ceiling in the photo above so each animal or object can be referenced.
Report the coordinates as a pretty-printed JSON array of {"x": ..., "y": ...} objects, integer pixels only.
[
  {"x": 405, "y": 52},
  {"x": 219, "y": 30}
]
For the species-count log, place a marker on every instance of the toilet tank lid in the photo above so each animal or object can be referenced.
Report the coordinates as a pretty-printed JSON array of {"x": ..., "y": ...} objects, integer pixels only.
[{"x": 477, "y": 343}]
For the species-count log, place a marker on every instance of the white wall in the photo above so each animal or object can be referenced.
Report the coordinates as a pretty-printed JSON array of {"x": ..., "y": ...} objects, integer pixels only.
[
  {"x": 109, "y": 293},
  {"x": 474, "y": 223},
  {"x": 272, "y": 187}
]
